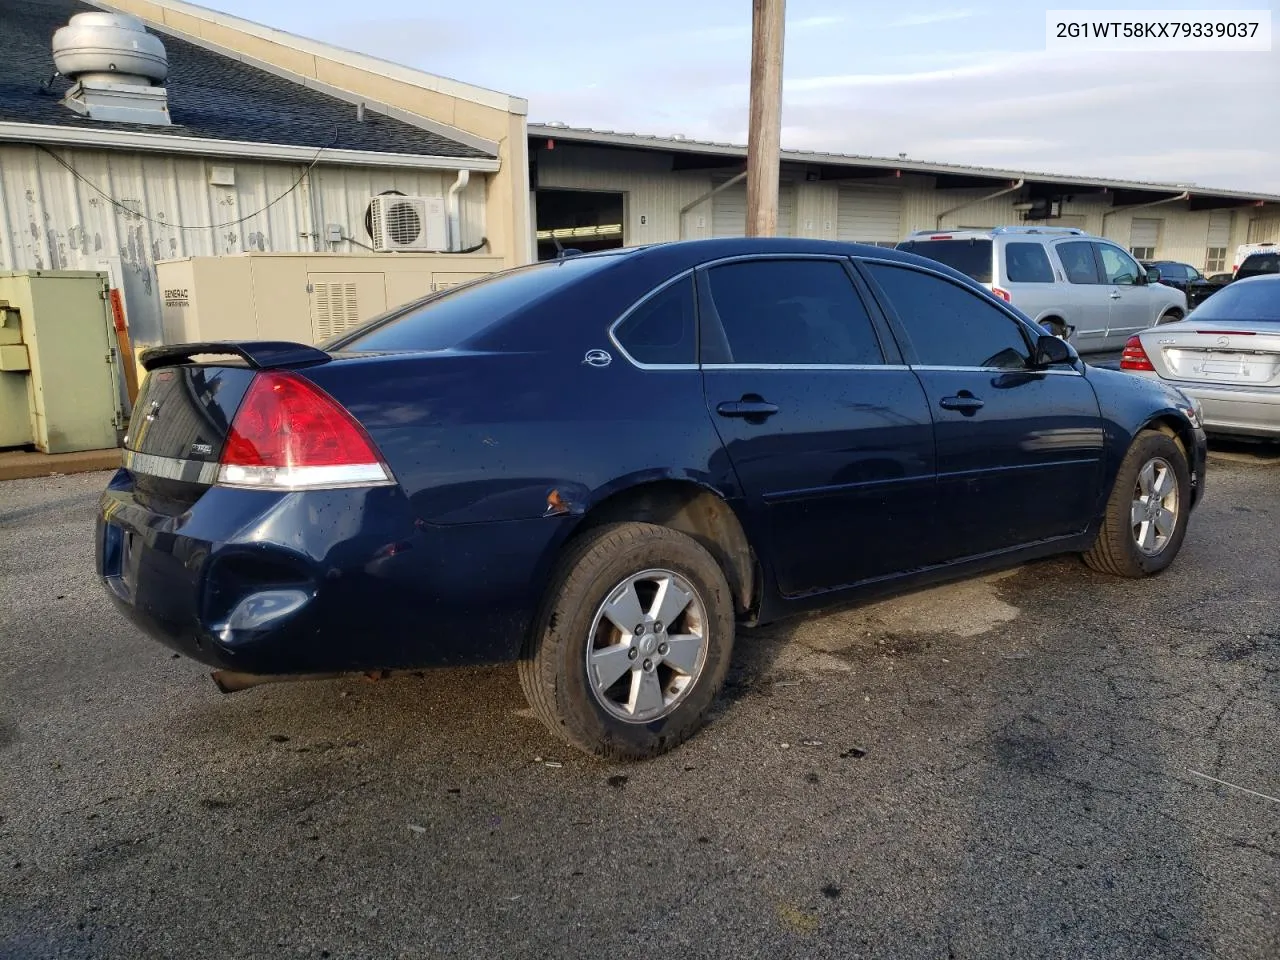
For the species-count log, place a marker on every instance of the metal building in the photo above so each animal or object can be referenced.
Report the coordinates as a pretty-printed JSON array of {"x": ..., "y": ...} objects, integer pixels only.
[{"x": 596, "y": 189}]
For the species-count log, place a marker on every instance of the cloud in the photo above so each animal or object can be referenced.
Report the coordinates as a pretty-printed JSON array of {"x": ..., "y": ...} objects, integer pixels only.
[
  {"x": 925, "y": 19},
  {"x": 1077, "y": 114}
]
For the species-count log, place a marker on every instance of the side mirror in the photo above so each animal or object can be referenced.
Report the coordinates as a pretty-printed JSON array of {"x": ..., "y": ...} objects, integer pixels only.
[
  {"x": 1153, "y": 274},
  {"x": 1051, "y": 351}
]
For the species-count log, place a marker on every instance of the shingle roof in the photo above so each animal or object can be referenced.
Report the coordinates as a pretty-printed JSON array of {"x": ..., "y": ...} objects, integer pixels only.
[{"x": 210, "y": 95}]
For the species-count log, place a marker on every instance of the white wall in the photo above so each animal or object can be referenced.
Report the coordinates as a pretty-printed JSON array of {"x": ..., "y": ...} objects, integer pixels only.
[{"x": 52, "y": 219}]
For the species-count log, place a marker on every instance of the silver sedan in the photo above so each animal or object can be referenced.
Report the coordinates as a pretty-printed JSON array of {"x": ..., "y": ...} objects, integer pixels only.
[{"x": 1225, "y": 354}]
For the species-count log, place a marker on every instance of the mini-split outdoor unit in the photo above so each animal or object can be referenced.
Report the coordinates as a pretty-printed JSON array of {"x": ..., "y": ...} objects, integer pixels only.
[{"x": 408, "y": 223}]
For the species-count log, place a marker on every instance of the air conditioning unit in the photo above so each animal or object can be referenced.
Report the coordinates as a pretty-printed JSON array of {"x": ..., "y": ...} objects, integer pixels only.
[{"x": 408, "y": 223}]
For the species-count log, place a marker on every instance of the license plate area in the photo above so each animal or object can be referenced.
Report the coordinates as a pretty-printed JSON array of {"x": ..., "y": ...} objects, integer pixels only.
[{"x": 1222, "y": 366}]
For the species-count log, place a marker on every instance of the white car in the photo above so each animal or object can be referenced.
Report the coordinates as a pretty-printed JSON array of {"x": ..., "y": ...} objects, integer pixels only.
[{"x": 1085, "y": 289}]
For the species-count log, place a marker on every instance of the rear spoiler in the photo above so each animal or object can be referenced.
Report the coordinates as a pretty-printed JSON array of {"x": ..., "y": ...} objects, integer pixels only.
[{"x": 259, "y": 354}]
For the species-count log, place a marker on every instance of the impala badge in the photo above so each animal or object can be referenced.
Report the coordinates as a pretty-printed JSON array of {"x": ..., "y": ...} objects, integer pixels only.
[{"x": 597, "y": 358}]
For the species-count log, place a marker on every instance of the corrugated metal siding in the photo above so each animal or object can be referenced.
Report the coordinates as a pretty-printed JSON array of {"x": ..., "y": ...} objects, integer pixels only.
[
  {"x": 52, "y": 219},
  {"x": 1261, "y": 230},
  {"x": 869, "y": 215}
]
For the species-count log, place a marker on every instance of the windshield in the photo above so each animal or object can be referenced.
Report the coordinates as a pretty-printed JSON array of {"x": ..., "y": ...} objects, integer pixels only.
[
  {"x": 970, "y": 257},
  {"x": 459, "y": 315},
  {"x": 1242, "y": 302}
]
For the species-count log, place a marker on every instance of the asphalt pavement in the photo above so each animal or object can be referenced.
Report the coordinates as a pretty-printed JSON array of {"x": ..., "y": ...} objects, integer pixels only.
[{"x": 1016, "y": 766}]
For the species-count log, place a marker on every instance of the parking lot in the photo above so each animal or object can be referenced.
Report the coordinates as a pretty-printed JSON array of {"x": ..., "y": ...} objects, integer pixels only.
[{"x": 1013, "y": 766}]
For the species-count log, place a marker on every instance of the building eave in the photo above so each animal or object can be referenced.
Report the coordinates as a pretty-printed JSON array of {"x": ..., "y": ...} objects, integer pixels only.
[
  {"x": 68, "y": 136},
  {"x": 737, "y": 151}
]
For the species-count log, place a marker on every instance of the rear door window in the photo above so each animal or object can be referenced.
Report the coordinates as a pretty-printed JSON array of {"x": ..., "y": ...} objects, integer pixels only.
[
  {"x": 970, "y": 257},
  {"x": 949, "y": 326},
  {"x": 662, "y": 329},
  {"x": 789, "y": 312},
  {"x": 1027, "y": 263},
  {"x": 1078, "y": 263}
]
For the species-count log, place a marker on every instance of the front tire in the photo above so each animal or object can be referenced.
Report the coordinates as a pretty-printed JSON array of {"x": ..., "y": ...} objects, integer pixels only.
[
  {"x": 633, "y": 642},
  {"x": 1146, "y": 515}
]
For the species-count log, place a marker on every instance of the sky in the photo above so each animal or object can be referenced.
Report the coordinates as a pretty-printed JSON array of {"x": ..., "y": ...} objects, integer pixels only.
[{"x": 959, "y": 82}]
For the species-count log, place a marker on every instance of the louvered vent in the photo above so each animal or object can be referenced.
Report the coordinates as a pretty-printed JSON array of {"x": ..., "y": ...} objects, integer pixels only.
[{"x": 334, "y": 308}]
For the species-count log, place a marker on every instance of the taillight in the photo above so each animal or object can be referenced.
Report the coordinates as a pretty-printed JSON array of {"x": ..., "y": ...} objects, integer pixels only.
[
  {"x": 288, "y": 434},
  {"x": 1135, "y": 356},
  {"x": 1002, "y": 294}
]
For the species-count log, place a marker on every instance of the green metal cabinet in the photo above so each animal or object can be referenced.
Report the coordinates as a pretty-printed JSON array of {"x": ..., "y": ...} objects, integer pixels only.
[{"x": 59, "y": 370}]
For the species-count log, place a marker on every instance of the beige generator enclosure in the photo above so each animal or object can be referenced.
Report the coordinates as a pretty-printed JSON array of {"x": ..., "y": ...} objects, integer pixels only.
[
  {"x": 59, "y": 374},
  {"x": 304, "y": 298}
]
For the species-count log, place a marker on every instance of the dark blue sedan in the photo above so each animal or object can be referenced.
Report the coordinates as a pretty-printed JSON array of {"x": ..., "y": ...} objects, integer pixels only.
[{"x": 601, "y": 465}]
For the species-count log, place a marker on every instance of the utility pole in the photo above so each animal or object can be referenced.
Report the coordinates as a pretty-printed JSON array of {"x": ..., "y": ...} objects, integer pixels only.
[{"x": 765, "y": 122}]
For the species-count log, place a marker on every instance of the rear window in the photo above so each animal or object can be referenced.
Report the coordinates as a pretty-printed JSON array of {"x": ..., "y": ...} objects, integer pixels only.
[
  {"x": 1257, "y": 264},
  {"x": 1027, "y": 263},
  {"x": 459, "y": 315},
  {"x": 970, "y": 257},
  {"x": 1242, "y": 302}
]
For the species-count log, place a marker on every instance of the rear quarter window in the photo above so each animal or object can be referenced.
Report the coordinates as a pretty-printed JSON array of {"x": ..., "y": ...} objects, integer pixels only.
[
  {"x": 1027, "y": 263},
  {"x": 970, "y": 257}
]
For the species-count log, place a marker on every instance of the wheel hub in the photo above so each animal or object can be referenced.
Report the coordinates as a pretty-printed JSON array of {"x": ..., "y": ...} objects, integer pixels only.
[
  {"x": 647, "y": 646},
  {"x": 1154, "y": 511}
]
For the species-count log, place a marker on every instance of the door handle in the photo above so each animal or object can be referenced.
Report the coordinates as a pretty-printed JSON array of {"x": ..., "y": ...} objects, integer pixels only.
[
  {"x": 966, "y": 403},
  {"x": 746, "y": 408},
  {"x": 1115, "y": 295}
]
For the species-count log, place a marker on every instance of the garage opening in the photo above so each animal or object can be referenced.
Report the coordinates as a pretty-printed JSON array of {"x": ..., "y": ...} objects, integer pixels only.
[{"x": 584, "y": 220}]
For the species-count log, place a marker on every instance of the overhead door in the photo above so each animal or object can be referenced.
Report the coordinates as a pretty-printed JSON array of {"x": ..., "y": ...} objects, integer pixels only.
[
  {"x": 1144, "y": 237},
  {"x": 1219, "y": 228},
  {"x": 869, "y": 216},
  {"x": 729, "y": 210}
]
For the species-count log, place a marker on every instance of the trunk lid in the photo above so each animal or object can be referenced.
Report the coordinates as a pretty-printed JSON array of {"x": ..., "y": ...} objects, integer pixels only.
[{"x": 1243, "y": 355}]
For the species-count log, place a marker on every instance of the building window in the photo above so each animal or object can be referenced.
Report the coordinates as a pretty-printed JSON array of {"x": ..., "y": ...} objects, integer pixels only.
[
  {"x": 1143, "y": 253},
  {"x": 1215, "y": 260}
]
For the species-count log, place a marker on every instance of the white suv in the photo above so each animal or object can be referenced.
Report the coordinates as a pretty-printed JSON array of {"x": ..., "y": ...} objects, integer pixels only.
[{"x": 1085, "y": 289}]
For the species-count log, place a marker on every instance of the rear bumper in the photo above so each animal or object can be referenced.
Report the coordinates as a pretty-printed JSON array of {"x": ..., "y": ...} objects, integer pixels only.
[{"x": 319, "y": 582}]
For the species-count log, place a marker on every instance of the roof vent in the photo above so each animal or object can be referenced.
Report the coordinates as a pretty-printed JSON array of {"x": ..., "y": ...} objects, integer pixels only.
[{"x": 117, "y": 68}]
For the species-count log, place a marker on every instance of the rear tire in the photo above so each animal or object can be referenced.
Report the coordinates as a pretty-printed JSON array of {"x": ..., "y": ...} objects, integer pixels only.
[
  {"x": 604, "y": 684},
  {"x": 1169, "y": 316},
  {"x": 1146, "y": 516}
]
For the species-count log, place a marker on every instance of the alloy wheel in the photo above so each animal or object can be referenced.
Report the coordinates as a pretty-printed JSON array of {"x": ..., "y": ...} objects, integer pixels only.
[{"x": 647, "y": 646}]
